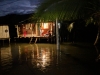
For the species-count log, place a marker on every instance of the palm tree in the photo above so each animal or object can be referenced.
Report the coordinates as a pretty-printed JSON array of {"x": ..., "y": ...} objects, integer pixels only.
[{"x": 60, "y": 10}]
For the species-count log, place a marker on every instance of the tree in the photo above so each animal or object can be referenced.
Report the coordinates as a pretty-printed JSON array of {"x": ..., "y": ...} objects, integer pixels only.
[{"x": 89, "y": 10}]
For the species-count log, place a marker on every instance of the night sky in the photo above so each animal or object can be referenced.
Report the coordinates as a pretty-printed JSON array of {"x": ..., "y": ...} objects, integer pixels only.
[{"x": 18, "y": 6}]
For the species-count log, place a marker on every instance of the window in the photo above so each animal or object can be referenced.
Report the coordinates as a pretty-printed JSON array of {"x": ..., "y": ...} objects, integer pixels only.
[{"x": 45, "y": 26}]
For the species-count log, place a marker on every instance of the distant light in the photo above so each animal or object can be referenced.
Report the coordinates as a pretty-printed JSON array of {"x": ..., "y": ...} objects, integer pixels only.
[
  {"x": 70, "y": 27},
  {"x": 59, "y": 25}
]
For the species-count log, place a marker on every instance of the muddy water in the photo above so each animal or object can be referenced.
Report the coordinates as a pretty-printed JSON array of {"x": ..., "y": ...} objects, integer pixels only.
[{"x": 44, "y": 59}]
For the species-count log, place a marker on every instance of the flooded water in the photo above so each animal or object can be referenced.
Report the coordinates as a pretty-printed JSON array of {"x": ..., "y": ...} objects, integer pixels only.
[{"x": 44, "y": 59}]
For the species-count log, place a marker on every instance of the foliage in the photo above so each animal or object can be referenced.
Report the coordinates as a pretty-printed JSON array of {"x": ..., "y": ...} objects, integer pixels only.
[
  {"x": 49, "y": 10},
  {"x": 61, "y": 9}
]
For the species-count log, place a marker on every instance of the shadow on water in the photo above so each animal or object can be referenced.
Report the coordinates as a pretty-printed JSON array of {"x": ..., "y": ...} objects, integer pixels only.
[{"x": 39, "y": 59}]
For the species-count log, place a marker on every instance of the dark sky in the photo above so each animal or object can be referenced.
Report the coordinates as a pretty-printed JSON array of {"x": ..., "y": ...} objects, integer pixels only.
[{"x": 18, "y": 6}]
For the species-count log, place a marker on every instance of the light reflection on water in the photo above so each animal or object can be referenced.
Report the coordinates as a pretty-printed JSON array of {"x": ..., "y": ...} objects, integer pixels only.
[
  {"x": 37, "y": 55},
  {"x": 41, "y": 57},
  {"x": 44, "y": 57},
  {"x": 6, "y": 58}
]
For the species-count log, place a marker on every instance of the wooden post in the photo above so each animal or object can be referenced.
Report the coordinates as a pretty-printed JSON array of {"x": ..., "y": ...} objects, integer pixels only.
[{"x": 57, "y": 35}]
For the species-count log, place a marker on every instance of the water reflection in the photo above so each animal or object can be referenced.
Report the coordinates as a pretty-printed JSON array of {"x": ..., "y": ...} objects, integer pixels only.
[
  {"x": 15, "y": 52},
  {"x": 6, "y": 59},
  {"x": 36, "y": 55},
  {"x": 44, "y": 57},
  {"x": 41, "y": 56}
]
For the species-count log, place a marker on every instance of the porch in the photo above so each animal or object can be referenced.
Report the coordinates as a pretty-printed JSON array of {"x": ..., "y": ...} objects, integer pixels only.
[{"x": 36, "y": 39}]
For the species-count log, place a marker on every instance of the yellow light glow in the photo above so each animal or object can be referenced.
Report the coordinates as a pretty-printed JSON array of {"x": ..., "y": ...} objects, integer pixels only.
[
  {"x": 70, "y": 27},
  {"x": 45, "y": 26}
]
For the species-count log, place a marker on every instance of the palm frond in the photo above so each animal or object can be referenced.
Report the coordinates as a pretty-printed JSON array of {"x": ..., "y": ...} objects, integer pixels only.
[{"x": 66, "y": 9}]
